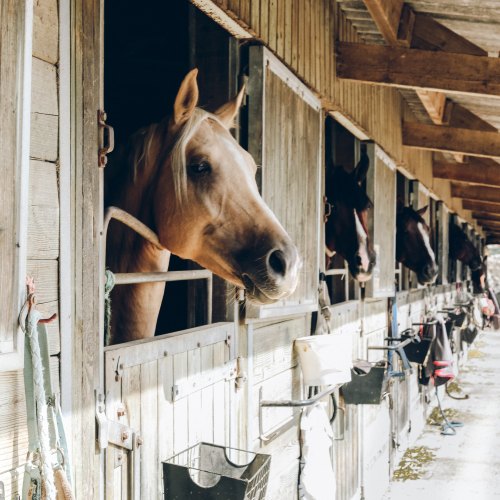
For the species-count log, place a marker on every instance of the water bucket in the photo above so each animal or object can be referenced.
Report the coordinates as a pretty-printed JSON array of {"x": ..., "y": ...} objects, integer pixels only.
[{"x": 325, "y": 359}]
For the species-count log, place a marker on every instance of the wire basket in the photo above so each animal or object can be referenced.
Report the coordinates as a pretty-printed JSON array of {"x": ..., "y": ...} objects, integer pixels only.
[{"x": 210, "y": 472}]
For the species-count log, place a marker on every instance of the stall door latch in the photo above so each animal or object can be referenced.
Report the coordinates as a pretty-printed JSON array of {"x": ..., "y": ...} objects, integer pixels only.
[
  {"x": 106, "y": 138},
  {"x": 111, "y": 431}
]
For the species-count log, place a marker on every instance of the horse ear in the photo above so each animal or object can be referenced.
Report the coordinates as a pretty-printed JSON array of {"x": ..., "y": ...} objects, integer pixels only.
[
  {"x": 362, "y": 167},
  {"x": 227, "y": 112},
  {"x": 187, "y": 98},
  {"x": 421, "y": 211}
]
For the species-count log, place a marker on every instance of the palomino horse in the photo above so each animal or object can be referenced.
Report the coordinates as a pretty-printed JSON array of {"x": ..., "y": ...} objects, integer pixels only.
[
  {"x": 413, "y": 247},
  {"x": 346, "y": 230},
  {"x": 190, "y": 181},
  {"x": 461, "y": 248}
]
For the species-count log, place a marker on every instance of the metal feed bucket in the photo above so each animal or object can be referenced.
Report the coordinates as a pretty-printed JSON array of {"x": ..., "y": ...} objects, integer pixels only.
[{"x": 211, "y": 472}]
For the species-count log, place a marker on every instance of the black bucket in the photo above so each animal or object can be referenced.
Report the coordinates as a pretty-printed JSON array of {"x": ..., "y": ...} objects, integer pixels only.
[
  {"x": 469, "y": 334},
  {"x": 416, "y": 351},
  {"x": 366, "y": 389}
]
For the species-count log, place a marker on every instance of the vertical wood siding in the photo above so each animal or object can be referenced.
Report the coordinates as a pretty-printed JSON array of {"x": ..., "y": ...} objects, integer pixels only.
[{"x": 43, "y": 236}]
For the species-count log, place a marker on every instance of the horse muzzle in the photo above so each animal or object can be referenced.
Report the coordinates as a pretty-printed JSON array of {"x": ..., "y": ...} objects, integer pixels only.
[
  {"x": 274, "y": 276},
  {"x": 361, "y": 269},
  {"x": 428, "y": 274}
]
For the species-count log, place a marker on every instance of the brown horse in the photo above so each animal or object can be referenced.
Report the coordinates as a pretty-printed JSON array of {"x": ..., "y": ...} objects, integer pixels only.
[
  {"x": 346, "y": 229},
  {"x": 462, "y": 249},
  {"x": 413, "y": 247},
  {"x": 190, "y": 181}
]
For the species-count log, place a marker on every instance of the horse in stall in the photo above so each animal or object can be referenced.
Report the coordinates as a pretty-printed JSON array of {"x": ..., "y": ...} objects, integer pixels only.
[
  {"x": 413, "y": 247},
  {"x": 189, "y": 181},
  {"x": 462, "y": 249},
  {"x": 346, "y": 228}
]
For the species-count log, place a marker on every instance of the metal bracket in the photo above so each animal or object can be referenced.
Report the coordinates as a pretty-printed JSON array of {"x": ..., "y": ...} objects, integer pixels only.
[
  {"x": 111, "y": 431},
  {"x": 108, "y": 138}
]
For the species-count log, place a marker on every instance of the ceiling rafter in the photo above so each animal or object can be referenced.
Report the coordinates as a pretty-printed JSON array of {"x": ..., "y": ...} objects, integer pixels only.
[
  {"x": 416, "y": 69},
  {"x": 478, "y": 193},
  {"x": 451, "y": 139},
  {"x": 481, "y": 206},
  {"x": 476, "y": 171}
]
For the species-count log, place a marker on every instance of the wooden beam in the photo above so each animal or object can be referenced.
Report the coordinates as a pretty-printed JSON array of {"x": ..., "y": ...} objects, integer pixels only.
[
  {"x": 434, "y": 103},
  {"x": 429, "y": 34},
  {"x": 418, "y": 69},
  {"x": 386, "y": 14},
  {"x": 457, "y": 116},
  {"x": 489, "y": 223},
  {"x": 481, "y": 206},
  {"x": 481, "y": 193},
  {"x": 476, "y": 170},
  {"x": 451, "y": 140},
  {"x": 486, "y": 216}
]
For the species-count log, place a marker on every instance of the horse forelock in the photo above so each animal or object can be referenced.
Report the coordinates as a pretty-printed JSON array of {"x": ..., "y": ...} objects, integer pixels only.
[
  {"x": 170, "y": 150},
  {"x": 178, "y": 151}
]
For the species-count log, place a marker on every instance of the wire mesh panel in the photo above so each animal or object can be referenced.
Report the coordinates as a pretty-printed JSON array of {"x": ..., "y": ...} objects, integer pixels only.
[{"x": 206, "y": 471}]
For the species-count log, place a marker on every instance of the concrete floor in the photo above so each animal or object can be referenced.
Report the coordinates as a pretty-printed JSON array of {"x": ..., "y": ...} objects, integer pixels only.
[{"x": 467, "y": 465}]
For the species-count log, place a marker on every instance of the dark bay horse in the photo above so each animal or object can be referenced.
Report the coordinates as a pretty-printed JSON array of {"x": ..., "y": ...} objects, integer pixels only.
[
  {"x": 462, "y": 249},
  {"x": 413, "y": 247},
  {"x": 346, "y": 229},
  {"x": 190, "y": 181}
]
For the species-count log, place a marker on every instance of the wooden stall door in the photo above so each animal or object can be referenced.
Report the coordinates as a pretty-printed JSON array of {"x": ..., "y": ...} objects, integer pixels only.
[
  {"x": 285, "y": 130},
  {"x": 170, "y": 392},
  {"x": 381, "y": 188}
]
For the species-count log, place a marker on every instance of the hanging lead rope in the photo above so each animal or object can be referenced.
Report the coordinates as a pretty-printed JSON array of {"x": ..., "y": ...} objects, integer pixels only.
[
  {"x": 108, "y": 287},
  {"x": 41, "y": 405}
]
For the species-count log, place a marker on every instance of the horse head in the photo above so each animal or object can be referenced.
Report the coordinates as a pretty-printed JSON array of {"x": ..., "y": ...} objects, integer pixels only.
[
  {"x": 207, "y": 205},
  {"x": 346, "y": 230},
  {"x": 413, "y": 248},
  {"x": 461, "y": 248},
  {"x": 478, "y": 278}
]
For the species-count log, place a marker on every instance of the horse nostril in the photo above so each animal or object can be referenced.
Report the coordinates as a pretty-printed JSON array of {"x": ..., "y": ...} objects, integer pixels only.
[
  {"x": 277, "y": 262},
  {"x": 359, "y": 261}
]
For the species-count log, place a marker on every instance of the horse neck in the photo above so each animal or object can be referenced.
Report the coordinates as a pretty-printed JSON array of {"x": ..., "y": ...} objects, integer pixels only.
[{"x": 136, "y": 307}]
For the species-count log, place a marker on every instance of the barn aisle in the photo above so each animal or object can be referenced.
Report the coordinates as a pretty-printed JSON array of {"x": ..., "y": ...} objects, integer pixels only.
[{"x": 467, "y": 465}]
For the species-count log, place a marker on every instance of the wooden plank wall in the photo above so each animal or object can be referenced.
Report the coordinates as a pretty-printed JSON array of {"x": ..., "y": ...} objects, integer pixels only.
[
  {"x": 43, "y": 235},
  {"x": 302, "y": 34}
]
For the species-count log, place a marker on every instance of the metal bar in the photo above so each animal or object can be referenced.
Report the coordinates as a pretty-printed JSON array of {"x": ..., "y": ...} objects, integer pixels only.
[
  {"x": 280, "y": 429},
  {"x": 210, "y": 289},
  {"x": 131, "y": 278},
  {"x": 392, "y": 347},
  {"x": 335, "y": 272},
  {"x": 298, "y": 403}
]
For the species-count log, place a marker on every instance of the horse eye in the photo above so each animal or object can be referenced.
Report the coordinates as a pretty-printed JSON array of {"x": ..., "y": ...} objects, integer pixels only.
[{"x": 200, "y": 168}]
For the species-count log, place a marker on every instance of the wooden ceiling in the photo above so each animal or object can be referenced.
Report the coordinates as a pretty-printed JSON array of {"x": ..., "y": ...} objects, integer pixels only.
[{"x": 444, "y": 57}]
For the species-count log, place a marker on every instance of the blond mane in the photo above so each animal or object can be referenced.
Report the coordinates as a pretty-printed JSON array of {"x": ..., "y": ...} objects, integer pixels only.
[{"x": 146, "y": 144}]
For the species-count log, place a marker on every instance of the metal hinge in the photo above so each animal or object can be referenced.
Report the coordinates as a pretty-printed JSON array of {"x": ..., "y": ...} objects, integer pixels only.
[
  {"x": 106, "y": 138},
  {"x": 237, "y": 374},
  {"x": 111, "y": 431}
]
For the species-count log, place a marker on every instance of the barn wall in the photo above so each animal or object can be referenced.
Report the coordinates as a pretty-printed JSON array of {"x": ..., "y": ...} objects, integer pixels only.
[
  {"x": 302, "y": 34},
  {"x": 43, "y": 236}
]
